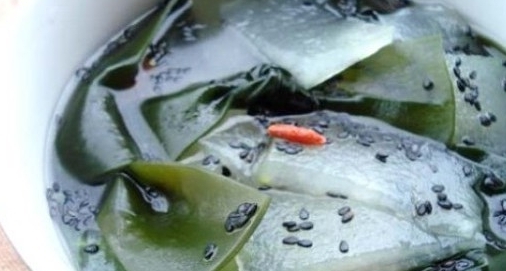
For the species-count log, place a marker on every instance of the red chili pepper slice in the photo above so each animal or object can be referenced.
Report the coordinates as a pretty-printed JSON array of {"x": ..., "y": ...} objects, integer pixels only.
[{"x": 296, "y": 134}]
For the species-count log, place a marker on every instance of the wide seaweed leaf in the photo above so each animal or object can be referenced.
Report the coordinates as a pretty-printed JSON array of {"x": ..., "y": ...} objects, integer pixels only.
[{"x": 206, "y": 220}]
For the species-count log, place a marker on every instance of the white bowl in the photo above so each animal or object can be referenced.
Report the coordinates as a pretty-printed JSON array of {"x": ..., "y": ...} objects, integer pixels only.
[{"x": 43, "y": 42}]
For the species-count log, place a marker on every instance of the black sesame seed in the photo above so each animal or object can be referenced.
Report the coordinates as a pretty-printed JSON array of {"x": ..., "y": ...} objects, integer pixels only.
[
  {"x": 461, "y": 85},
  {"x": 456, "y": 71},
  {"x": 413, "y": 152},
  {"x": 292, "y": 150},
  {"x": 382, "y": 157},
  {"x": 336, "y": 195},
  {"x": 342, "y": 211},
  {"x": 477, "y": 105},
  {"x": 235, "y": 144},
  {"x": 305, "y": 243},
  {"x": 152, "y": 192},
  {"x": 347, "y": 217},
  {"x": 488, "y": 236},
  {"x": 467, "y": 170},
  {"x": 280, "y": 146},
  {"x": 344, "y": 247},
  {"x": 485, "y": 120},
  {"x": 225, "y": 171},
  {"x": 298, "y": 148},
  {"x": 91, "y": 249},
  {"x": 85, "y": 203},
  {"x": 365, "y": 141},
  {"x": 472, "y": 75},
  {"x": 248, "y": 209},
  {"x": 458, "y": 62},
  {"x": 210, "y": 251},
  {"x": 243, "y": 154},
  {"x": 240, "y": 220},
  {"x": 428, "y": 205},
  {"x": 502, "y": 220},
  {"x": 318, "y": 129},
  {"x": 289, "y": 224},
  {"x": 438, "y": 188},
  {"x": 448, "y": 264},
  {"x": 262, "y": 146},
  {"x": 56, "y": 187},
  {"x": 445, "y": 204},
  {"x": 69, "y": 220},
  {"x": 463, "y": 264},
  {"x": 503, "y": 204},
  {"x": 428, "y": 84},
  {"x": 293, "y": 229},
  {"x": 206, "y": 161},
  {"x": 210, "y": 159},
  {"x": 370, "y": 13},
  {"x": 323, "y": 123},
  {"x": 421, "y": 209},
  {"x": 264, "y": 188},
  {"x": 457, "y": 206},
  {"x": 470, "y": 98},
  {"x": 290, "y": 240},
  {"x": 306, "y": 225},
  {"x": 442, "y": 196},
  {"x": 493, "y": 182},
  {"x": 303, "y": 214},
  {"x": 235, "y": 220}
]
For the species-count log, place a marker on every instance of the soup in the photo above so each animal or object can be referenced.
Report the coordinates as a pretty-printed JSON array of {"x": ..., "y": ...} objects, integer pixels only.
[{"x": 284, "y": 135}]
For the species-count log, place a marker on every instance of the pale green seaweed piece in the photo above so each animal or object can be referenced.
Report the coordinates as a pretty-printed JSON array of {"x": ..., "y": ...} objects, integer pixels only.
[
  {"x": 179, "y": 119},
  {"x": 199, "y": 203},
  {"x": 413, "y": 165},
  {"x": 346, "y": 166},
  {"x": 405, "y": 84},
  {"x": 92, "y": 138},
  {"x": 490, "y": 83},
  {"x": 429, "y": 19},
  {"x": 377, "y": 241},
  {"x": 309, "y": 42},
  {"x": 237, "y": 137}
]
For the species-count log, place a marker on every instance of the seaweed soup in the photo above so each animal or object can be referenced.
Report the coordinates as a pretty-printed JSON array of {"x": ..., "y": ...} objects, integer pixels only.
[{"x": 161, "y": 154}]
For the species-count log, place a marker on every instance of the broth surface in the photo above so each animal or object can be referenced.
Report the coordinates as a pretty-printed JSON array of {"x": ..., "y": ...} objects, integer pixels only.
[{"x": 213, "y": 48}]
